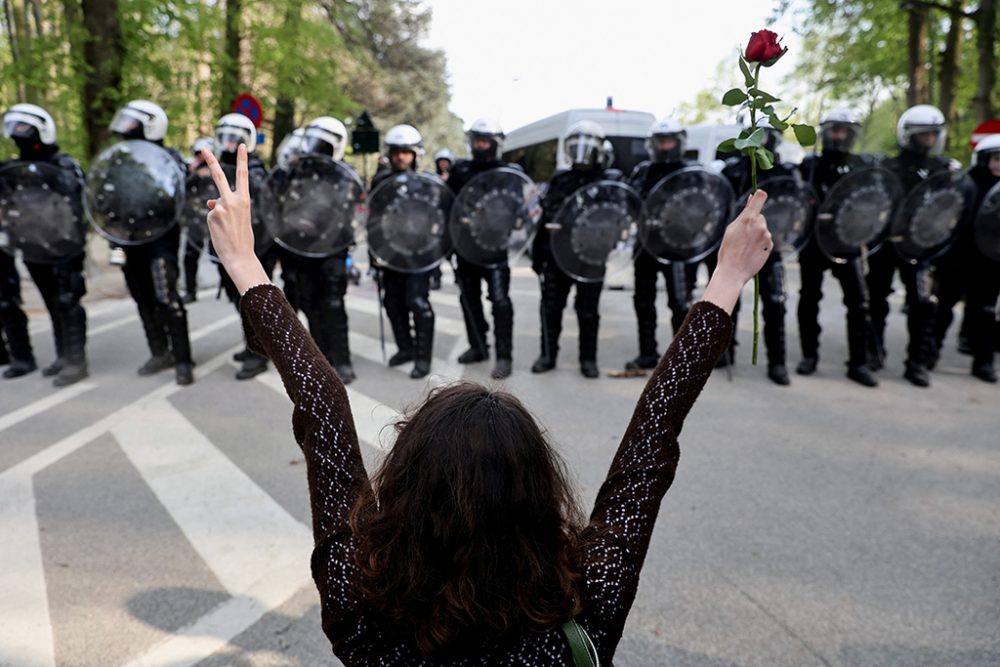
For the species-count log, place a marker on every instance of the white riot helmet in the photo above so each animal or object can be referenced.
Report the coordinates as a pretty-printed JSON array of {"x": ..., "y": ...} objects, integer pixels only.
[
  {"x": 834, "y": 121},
  {"x": 405, "y": 138},
  {"x": 29, "y": 122},
  {"x": 202, "y": 143},
  {"x": 489, "y": 129},
  {"x": 140, "y": 119},
  {"x": 444, "y": 154},
  {"x": 985, "y": 149},
  {"x": 608, "y": 160},
  {"x": 234, "y": 129},
  {"x": 290, "y": 148},
  {"x": 921, "y": 119},
  {"x": 327, "y": 136},
  {"x": 583, "y": 145},
  {"x": 667, "y": 128}
]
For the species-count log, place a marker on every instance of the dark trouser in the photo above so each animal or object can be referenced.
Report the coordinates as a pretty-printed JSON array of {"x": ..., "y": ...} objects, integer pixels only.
[
  {"x": 680, "y": 280},
  {"x": 62, "y": 286},
  {"x": 408, "y": 294},
  {"x": 193, "y": 247},
  {"x": 920, "y": 301},
  {"x": 318, "y": 287},
  {"x": 772, "y": 297},
  {"x": 151, "y": 275},
  {"x": 813, "y": 264},
  {"x": 13, "y": 321},
  {"x": 470, "y": 279},
  {"x": 973, "y": 276},
  {"x": 555, "y": 292}
]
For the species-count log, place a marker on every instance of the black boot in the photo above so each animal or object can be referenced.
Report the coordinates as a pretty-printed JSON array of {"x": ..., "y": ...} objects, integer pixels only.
[
  {"x": 22, "y": 359},
  {"x": 19, "y": 367},
  {"x": 156, "y": 363},
  {"x": 778, "y": 374},
  {"x": 423, "y": 343},
  {"x": 543, "y": 364},
  {"x": 184, "y": 373},
  {"x": 242, "y": 355},
  {"x": 74, "y": 369},
  {"x": 985, "y": 372},
  {"x": 156, "y": 339},
  {"x": 401, "y": 357},
  {"x": 648, "y": 356},
  {"x": 917, "y": 375},
  {"x": 474, "y": 355},
  {"x": 58, "y": 335},
  {"x": 862, "y": 375},
  {"x": 807, "y": 366},
  {"x": 589, "y": 369},
  {"x": 501, "y": 370},
  {"x": 253, "y": 365},
  {"x": 346, "y": 373}
]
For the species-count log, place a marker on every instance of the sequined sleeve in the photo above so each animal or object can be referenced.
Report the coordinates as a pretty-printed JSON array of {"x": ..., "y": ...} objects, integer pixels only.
[
  {"x": 321, "y": 418},
  {"x": 642, "y": 471}
]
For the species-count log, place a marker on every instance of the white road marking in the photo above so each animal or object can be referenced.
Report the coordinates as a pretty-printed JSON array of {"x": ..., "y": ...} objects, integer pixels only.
[
  {"x": 24, "y": 605},
  {"x": 256, "y": 549},
  {"x": 43, "y": 404}
]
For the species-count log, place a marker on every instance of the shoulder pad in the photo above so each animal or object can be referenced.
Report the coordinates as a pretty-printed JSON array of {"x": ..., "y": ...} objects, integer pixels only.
[
  {"x": 612, "y": 175},
  {"x": 954, "y": 165}
]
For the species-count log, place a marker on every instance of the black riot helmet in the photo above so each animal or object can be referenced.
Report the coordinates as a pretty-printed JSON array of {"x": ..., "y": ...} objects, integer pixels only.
[
  {"x": 490, "y": 131},
  {"x": 839, "y": 130}
]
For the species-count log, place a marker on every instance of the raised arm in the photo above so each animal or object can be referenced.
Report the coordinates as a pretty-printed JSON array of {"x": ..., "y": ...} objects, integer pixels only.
[
  {"x": 643, "y": 468},
  {"x": 321, "y": 419}
]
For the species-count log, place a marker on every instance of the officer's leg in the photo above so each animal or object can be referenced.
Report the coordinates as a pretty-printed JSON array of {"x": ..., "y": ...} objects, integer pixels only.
[
  {"x": 47, "y": 283},
  {"x": 498, "y": 290},
  {"x": 678, "y": 292},
  {"x": 419, "y": 303},
  {"x": 165, "y": 273},
  {"x": 852, "y": 282},
  {"x": 984, "y": 290},
  {"x": 812, "y": 265},
  {"x": 646, "y": 272},
  {"x": 772, "y": 290},
  {"x": 921, "y": 312},
  {"x": 950, "y": 288},
  {"x": 15, "y": 322},
  {"x": 555, "y": 292},
  {"x": 881, "y": 269},
  {"x": 334, "y": 291},
  {"x": 71, "y": 287},
  {"x": 587, "y": 302},
  {"x": 192, "y": 253},
  {"x": 394, "y": 299},
  {"x": 139, "y": 280},
  {"x": 469, "y": 278}
]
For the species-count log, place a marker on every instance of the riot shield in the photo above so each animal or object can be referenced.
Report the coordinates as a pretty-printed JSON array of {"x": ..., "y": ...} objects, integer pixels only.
[
  {"x": 929, "y": 219},
  {"x": 135, "y": 192},
  {"x": 788, "y": 211},
  {"x": 408, "y": 222},
  {"x": 316, "y": 211},
  {"x": 986, "y": 228},
  {"x": 41, "y": 212},
  {"x": 194, "y": 215},
  {"x": 856, "y": 213},
  {"x": 594, "y": 223},
  {"x": 492, "y": 221},
  {"x": 685, "y": 215}
]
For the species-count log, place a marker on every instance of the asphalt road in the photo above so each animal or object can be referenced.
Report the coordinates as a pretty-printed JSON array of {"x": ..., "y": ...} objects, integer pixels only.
[{"x": 819, "y": 524}]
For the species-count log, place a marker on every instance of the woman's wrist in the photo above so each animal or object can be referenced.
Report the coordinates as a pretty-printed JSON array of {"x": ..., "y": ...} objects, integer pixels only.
[
  {"x": 724, "y": 289},
  {"x": 245, "y": 272}
]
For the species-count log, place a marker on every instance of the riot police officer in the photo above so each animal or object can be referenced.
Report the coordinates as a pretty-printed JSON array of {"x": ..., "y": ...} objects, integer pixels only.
[
  {"x": 772, "y": 275},
  {"x": 231, "y": 131},
  {"x": 407, "y": 294},
  {"x": 838, "y": 131},
  {"x": 194, "y": 245},
  {"x": 665, "y": 147},
  {"x": 443, "y": 161},
  {"x": 320, "y": 284},
  {"x": 966, "y": 272},
  {"x": 585, "y": 149},
  {"x": 61, "y": 283},
  {"x": 920, "y": 133},
  {"x": 151, "y": 269},
  {"x": 486, "y": 147}
]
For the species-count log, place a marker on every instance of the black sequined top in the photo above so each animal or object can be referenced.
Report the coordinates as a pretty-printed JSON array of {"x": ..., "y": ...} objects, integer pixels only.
[{"x": 626, "y": 505}]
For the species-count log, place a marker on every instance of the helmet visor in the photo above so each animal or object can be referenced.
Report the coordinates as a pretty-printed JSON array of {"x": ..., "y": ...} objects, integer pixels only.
[
  {"x": 318, "y": 146},
  {"x": 229, "y": 140},
  {"x": 582, "y": 148},
  {"x": 19, "y": 129},
  {"x": 126, "y": 122},
  {"x": 838, "y": 137}
]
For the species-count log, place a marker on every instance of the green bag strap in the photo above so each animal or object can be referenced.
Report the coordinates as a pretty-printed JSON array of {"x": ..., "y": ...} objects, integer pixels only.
[{"x": 584, "y": 653}]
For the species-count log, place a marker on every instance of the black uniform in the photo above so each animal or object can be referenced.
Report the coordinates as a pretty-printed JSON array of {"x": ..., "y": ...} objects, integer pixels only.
[
  {"x": 406, "y": 295},
  {"x": 772, "y": 274},
  {"x": 556, "y": 284},
  {"x": 151, "y": 272},
  {"x": 646, "y": 175},
  {"x": 965, "y": 272},
  {"x": 911, "y": 168},
  {"x": 13, "y": 322},
  {"x": 823, "y": 172},
  {"x": 470, "y": 277}
]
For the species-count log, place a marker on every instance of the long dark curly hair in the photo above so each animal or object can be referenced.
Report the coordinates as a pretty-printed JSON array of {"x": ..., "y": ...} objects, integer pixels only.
[{"x": 470, "y": 533}]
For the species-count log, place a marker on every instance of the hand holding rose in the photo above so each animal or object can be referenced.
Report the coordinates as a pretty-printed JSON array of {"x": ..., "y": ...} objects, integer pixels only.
[{"x": 745, "y": 247}]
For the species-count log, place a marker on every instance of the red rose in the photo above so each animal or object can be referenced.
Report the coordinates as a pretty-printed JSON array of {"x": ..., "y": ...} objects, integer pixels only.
[{"x": 764, "y": 48}]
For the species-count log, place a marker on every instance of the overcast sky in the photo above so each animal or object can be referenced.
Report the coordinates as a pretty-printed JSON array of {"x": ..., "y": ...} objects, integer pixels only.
[{"x": 521, "y": 60}]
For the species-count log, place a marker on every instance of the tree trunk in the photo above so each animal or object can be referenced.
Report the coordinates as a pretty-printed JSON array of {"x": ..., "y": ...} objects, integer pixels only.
[
  {"x": 103, "y": 54},
  {"x": 919, "y": 91},
  {"x": 949, "y": 72},
  {"x": 29, "y": 62},
  {"x": 15, "y": 52},
  {"x": 986, "y": 24},
  {"x": 284, "y": 112},
  {"x": 229, "y": 84}
]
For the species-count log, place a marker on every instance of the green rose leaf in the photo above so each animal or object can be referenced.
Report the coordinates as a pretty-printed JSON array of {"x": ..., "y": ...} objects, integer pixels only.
[
  {"x": 765, "y": 159},
  {"x": 733, "y": 97},
  {"x": 727, "y": 146},
  {"x": 761, "y": 95},
  {"x": 776, "y": 122},
  {"x": 805, "y": 134},
  {"x": 747, "y": 76},
  {"x": 755, "y": 140}
]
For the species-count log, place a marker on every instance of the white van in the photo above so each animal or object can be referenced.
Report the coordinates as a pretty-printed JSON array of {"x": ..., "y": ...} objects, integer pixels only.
[{"x": 537, "y": 147}]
